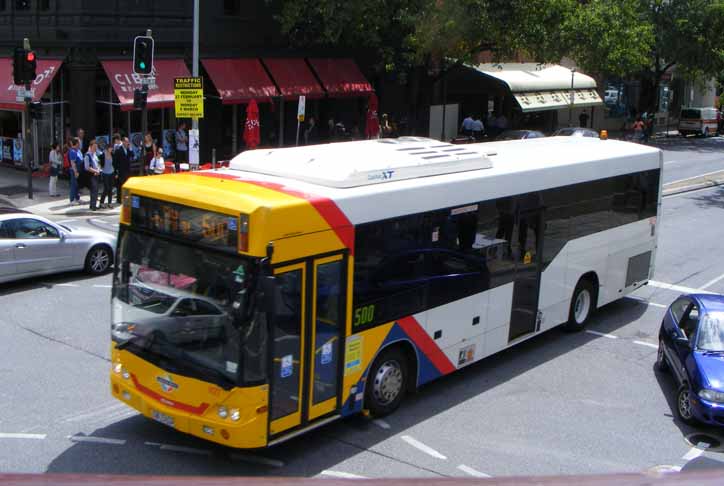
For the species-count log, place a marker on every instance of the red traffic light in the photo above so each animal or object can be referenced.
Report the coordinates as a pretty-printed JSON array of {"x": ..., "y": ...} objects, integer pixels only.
[{"x": 30, "y": 56}]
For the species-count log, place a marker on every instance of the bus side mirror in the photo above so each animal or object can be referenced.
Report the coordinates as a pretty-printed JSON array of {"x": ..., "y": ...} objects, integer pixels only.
[{"x": 269, "y": 289}]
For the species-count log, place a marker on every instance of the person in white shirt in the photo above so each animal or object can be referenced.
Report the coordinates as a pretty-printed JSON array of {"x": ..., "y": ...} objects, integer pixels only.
[
  {"x": 157, "y": 165},
  {"x": 55, "y": 159}
]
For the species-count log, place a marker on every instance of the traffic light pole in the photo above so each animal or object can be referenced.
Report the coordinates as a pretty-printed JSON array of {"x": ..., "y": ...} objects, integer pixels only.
[
  {"x": 195, "y": 72},
  {"x": 27, "y": 140}
]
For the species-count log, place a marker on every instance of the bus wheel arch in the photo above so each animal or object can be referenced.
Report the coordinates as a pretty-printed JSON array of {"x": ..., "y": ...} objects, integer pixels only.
[
  {"x": 392, "y": 375},
  {"x": 584, "y": 302}
]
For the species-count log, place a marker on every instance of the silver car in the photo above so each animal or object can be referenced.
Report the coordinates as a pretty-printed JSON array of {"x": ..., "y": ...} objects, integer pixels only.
[{"x": 31, "y": 245}]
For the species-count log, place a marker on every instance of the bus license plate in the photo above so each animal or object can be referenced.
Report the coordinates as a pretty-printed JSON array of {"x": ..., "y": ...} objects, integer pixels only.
[{"x": 162, "y": 417}]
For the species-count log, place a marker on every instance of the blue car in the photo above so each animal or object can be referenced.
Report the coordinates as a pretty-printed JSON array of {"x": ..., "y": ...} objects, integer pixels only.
[{"x": 691, "y": 346}]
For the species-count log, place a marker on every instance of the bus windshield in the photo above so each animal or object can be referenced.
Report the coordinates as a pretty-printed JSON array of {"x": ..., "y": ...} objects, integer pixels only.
[{"x": 189, "y": 310}]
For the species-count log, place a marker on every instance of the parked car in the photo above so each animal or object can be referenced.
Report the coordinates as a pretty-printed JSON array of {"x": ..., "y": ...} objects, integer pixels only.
[
  {"x": 31, "y": 245},
  {"x": 575, "y": 132},
  {"x": 519, "y": 135},
  {"x": 699, "y": 121},
  {"x": 691, "y": 346}
]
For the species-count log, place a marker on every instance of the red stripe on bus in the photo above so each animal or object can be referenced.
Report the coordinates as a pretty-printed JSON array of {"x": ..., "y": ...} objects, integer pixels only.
[
  {"x": 426, "y": 345},
  {"x": 170, "y": 403},
  {"x": 326, "y": 208}
]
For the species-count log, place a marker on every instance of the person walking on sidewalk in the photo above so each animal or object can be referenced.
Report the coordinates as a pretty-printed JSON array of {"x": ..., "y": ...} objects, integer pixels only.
[
  {"x": 122, "y": 160},
  {"x": 107, "y": 175},
  {"x": 92, "y": 169},
  {"x": 55, "y": 160},
  {"x": 75, "y": 158}
]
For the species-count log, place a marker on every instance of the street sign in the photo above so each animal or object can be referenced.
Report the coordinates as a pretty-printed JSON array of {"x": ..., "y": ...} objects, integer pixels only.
[
  {"x": 189, "y": 97},
  {"x": 300, "y": 109}
]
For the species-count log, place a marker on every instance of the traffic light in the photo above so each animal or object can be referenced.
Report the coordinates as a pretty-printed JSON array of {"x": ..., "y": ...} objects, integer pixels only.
[
  {"x": 143, "y": 55},
  {"x": 139, "y": 98},
  {"x": 24, "y": 65}
]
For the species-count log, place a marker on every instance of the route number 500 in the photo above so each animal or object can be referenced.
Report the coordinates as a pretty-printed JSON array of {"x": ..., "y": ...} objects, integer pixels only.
[{"x": 364, "y": 315}]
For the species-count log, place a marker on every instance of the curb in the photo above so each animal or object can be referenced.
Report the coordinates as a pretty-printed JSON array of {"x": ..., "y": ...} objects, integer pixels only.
[{"x": 697, "y": 183}]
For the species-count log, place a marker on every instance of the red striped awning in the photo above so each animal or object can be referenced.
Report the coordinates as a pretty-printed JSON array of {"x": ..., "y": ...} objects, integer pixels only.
[
  {"x": 46, "y": 70},
  {"x": 160, "y": 92},
  {"x": 341, "y": 77},
  {"x": 293, "y": 77},
  {"x": 240, "y": 80}
]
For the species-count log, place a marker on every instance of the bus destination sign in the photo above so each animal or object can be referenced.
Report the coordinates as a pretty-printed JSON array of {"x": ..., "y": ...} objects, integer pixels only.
[{"x": 185, "y": 223}]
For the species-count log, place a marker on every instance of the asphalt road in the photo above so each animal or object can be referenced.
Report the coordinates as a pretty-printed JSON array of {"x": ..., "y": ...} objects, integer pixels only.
[{"x": 560, "y": 403}]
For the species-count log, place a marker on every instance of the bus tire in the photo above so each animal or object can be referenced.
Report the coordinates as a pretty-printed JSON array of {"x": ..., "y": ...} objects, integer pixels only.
[
  {"x": 583, "y": 303},
  {"x": 387, "y": 382}
]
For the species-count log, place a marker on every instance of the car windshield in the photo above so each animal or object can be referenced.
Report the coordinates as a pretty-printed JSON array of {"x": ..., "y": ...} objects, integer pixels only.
[
  {"x": 188, "y": 310},
  {"x": 711, "y": 332}
]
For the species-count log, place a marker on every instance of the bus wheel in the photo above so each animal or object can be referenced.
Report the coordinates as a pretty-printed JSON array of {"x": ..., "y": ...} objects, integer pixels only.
[
  {"x": 386, "y": 382},
  {"x": 583, "y": 303}
]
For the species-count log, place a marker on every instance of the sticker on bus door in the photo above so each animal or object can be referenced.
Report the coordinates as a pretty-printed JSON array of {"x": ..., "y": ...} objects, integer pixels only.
[
  {"x": 287, "y": 366},
  {"x": 326, "y": 353}
]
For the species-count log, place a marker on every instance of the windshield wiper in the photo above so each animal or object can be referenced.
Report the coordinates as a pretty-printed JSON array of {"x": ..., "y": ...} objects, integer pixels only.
[{"x": 220, "y": 378}]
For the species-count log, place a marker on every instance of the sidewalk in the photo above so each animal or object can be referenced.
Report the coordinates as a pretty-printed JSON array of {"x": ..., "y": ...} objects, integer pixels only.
[{"x": 14, "y": 192}]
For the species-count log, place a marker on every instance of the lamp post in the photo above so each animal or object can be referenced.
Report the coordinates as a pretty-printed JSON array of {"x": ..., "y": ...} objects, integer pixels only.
[{"x": 570, "y": 108}]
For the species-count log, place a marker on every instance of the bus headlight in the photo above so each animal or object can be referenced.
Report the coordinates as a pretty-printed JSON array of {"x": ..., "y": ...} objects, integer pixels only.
[
  {"x": 711, "y": 396},
  {"x": 235, "y": 415},
  {"x": 222, "y": 411}
]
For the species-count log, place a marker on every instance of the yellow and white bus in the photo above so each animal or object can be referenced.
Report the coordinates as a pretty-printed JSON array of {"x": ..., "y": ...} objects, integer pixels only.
[{"x": 301, "y": 285}]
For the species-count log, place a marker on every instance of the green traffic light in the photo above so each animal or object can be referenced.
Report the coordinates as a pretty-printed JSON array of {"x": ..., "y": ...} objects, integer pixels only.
[{"x": 143, "y": 65}]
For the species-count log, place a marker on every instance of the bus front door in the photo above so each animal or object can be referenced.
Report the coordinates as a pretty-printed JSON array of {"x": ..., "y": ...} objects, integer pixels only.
[
  {"x": 526, "y": 289},
  {"x": 307, "y": 342}
]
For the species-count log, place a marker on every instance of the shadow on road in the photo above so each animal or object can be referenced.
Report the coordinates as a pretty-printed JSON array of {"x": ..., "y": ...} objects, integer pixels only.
[
  {"x": 79, "y": 278},
  {"x": 310, "y": 454},
  {"x": 709, "y": 199}
]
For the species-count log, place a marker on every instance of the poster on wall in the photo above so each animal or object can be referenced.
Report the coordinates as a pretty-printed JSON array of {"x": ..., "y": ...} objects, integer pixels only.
[
  {"x": 169, "y": 143},
  {"x": 3, "y": 156},
  {"x": 136, "y": 143},
  {"x": 194, "y": 148},
  {"x": 18, "y": 151},
  {"x": 102, "y": 141}
]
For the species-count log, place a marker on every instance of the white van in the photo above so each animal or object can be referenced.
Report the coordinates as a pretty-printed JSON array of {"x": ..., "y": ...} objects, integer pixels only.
[{"x": 698, "y": 121}]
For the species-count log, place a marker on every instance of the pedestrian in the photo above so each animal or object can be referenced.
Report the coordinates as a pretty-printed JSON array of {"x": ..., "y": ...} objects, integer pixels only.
[
  {"x": 157, "y": 165},
  {"x": 55, "y": 160},
  {"x": 107, "y": 177},
  {"x": 583, "y": 119},
  {"x": 476, "y": 128},
  {"x": 148, "y": 149},
  {"x": 182, "y": 146},
  {"x": 122, "y": 161},
  {"x": 93, "y": 171},
  {"x": 467, "y": 127},
  {"x": 310, "y": 133},
  {"x": 80, "y": 133},
  {"x": 386, "y": 129},
  {"x": 638, "y": 129},
  {"x": 75, "y": 160}
]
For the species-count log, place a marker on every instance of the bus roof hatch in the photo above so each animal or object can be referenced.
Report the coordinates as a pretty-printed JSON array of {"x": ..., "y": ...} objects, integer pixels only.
[{"x": 361, "y": 163}]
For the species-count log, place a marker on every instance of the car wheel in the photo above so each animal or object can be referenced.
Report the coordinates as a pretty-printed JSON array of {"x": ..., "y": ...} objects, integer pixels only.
[
  {"x": 386, "y": 382},
  {"x": 684, "y": 407},
  {"x": 661, "y": 363},
  {"x": 98, "y": 260},
  {"x": 583, "y": 303}
]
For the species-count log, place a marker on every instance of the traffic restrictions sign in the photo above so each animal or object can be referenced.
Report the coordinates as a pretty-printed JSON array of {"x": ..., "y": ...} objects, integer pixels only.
[{"x": 189, "y": 97}]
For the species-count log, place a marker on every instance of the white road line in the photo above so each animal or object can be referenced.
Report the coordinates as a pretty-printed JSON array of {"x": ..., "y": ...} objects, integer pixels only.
[
  {"x": 678, "y": 288},
  {"x": 419, "y": 445},
  {"x": 695, "y": 452},
  {"x": 609, "y": 336},
  {"x": 712, "y": 282},
  {"x": 644, "y": 343},
  {"x": 98, "y": 286},
  {"x": 104, "y": 411},
  {"x": 155, "y": 444},
  {"x": 64, "y": 285},
  {"x": 472, "y": 472},
  {"x": 239, "y": 456},
  {"x": 672, "y": 162},
  {"x": 96, "y": 440},
  {"x": 10, "y": 435},
  {"x": 381, "y": 424},
  {"x": 188, "y": 450},
  {"x": 339, "y": 474}
]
